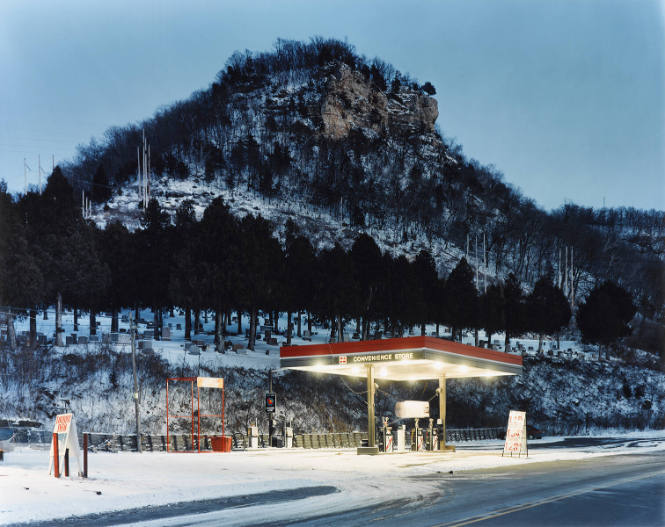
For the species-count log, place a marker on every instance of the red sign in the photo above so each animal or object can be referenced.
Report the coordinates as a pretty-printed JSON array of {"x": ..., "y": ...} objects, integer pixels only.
[
  {"x": 342, "y": 359},
  {"x": 62, "y": 423},
  {"x": 516, "y": 434}
]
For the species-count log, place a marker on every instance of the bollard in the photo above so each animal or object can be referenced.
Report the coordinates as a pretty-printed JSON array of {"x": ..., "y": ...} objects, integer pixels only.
[
  {"x": 66, "y": 462},
  {"x": 85, "y": 455},
  {"x": 56, "y": 456}
]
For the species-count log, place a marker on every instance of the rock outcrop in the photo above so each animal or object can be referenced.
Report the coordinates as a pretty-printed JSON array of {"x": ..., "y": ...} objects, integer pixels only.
[{"x": 351, "y": 101}]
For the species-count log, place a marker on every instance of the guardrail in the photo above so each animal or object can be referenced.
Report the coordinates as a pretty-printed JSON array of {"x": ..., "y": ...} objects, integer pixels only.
[
  {"x": 474, "y": 434},
  {"x": 102, "y": 442}
]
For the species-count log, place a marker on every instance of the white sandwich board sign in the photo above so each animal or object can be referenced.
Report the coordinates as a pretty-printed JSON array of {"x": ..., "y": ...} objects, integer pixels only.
[
  {"x": 65, "y": 427},
  {"x": 516, "y": 434}
]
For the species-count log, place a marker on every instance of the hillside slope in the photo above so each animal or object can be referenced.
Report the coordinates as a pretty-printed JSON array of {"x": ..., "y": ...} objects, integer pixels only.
[{"x": 346, "y": 144}]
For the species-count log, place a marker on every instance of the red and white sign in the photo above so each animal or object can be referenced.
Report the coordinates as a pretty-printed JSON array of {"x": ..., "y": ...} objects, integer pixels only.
[
  {"x": 516, "y": 434},
  {"x": 62, "y": 423},
  {"x": 65, "y": 427},
  {"x": 342, "y": 359}
]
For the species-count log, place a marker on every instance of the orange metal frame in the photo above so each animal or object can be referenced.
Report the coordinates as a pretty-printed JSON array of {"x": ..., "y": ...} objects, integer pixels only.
[{"x": 191, "y": 380}]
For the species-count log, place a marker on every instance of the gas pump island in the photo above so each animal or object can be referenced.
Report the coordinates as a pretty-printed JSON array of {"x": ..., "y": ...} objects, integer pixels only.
[{"x": 401, "y": 359}]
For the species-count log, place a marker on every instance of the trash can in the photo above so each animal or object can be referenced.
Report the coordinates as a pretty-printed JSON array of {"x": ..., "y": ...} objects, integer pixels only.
[{"x": 221, "y": 443}]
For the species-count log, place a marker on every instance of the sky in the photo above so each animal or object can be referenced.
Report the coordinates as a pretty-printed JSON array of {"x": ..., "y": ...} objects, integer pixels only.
[{"x": 566, "y": 98}]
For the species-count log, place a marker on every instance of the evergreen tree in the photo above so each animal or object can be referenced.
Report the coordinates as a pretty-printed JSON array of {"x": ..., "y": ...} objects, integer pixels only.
[
  {"x": 216, "y": 257},
  {"x": 513, "y": 309},
  {"x": 335, "y": 289},
  {"x": 605, "y": 314},
  {"x": 117, "y": 252},
  {"x": 367, "y": 276},
  {"x": 426, "y": 278},
  {"x": 153, "y": 259},
  {"x": 101, "y": 188},
  {"x": 54, "y": 221},
  {"x": 90, "y": 276},
  {"x": 261, "y": 257},
  {"x": 428, "y": 88},
  {"x": 461, "y": 297},
  {"x": 547, "y": 309},
  {"x": 491, "y": 311},
  {"x": 299, "y": 273},
  {"x": 21, "y": 280}
]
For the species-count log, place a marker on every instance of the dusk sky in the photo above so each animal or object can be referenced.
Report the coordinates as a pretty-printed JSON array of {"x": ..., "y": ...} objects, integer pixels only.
[{"x": 566, "y": 98}]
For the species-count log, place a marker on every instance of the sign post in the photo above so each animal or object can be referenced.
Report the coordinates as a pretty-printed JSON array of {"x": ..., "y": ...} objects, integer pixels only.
[{"x": 516, "y": 435}]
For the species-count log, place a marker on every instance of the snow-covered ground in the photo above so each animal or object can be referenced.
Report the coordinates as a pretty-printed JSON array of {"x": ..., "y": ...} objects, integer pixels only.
[
  {"x": 264, "y": 356},
  {"x": 128, "y": 480}
]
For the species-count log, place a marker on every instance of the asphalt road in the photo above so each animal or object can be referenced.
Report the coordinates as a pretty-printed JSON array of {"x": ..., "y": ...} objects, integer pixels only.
[{"x": 625, "y": 490}]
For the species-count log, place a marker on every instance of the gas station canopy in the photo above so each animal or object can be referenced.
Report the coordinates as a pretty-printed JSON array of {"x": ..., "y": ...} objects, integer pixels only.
[{"x": 401, "y": 359}]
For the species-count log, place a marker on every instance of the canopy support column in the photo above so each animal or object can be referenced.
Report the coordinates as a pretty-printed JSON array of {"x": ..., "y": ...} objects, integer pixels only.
[
  {"x": 371, "y": 440},
  {"x": 442, "y": 413},
  {"x": 371, "y": 447}
]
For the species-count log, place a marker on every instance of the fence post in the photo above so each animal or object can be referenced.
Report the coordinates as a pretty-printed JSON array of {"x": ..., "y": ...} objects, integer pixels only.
[
  {"x": 85, "y": 455},
  {"x": 56, "y": 456}
]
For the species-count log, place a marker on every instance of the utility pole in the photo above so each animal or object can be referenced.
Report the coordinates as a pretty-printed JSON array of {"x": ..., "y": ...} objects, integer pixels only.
[
  {"x": 271, "y": 429},
  {"x": 132, "y": 331}
]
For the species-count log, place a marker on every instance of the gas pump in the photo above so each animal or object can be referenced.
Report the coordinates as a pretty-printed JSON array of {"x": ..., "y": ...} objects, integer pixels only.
[
  {"x": 418, "y": 443},
  {"x": 401, "y": 438},
  {"x": 430, "y": 435},
  {"x": 387, "y": 434},
  {"x": 253, "y": 436},
  {"x": 288, "y": 436},
  {"x": 434, "y": 435}
]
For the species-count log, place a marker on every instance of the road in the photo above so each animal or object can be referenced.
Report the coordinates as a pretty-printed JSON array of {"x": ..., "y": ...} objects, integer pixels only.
[{"x": 626, "y": 490}]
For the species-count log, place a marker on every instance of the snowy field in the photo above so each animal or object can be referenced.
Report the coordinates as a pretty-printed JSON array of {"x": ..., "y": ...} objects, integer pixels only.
[{"x": 127, "y": 480}]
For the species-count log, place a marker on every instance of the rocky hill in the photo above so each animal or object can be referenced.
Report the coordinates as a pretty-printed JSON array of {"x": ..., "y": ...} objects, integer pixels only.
[{"x": 343, "y": 144}]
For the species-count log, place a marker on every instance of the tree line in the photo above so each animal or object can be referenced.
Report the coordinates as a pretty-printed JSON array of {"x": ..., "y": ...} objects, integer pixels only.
[{"x": 221, "y": 263}]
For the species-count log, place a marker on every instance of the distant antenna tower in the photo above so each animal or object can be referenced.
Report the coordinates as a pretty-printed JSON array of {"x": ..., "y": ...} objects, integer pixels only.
[
  {"x": 484, "y": 265},
  {"x": 477, "y": 265},
  {"x": 26, "y": 168},
  {"x": 571, "y": 287},
  {"x": 143, "y": 172},
  {"x": 86, "y": 206},
  {"x": 565, "y": 274},
  {"x": 40, "y": 171}
]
